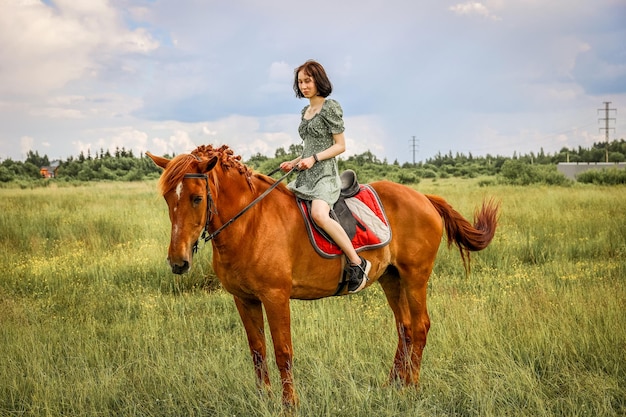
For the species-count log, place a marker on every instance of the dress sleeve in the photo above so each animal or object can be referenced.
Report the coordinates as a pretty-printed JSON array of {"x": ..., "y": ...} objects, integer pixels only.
[{"x": 333, "y": 116}]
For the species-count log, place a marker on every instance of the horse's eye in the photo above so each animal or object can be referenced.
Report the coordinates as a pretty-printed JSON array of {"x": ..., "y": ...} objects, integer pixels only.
[{"x": 197, "y": 200}]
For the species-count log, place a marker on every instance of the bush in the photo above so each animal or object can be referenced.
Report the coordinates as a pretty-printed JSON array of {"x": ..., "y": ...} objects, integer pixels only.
[
  {"x": 429, "y": 173},
  {"x": 517, "y": 172},
  {"x": 407, "y": 178},
  {"x": 611, "y": 176},
  {"x": 5, "y": 174}
]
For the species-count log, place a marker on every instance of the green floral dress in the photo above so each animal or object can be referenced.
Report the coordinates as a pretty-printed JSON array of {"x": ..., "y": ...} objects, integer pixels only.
[{"x": 321, "y": 181}]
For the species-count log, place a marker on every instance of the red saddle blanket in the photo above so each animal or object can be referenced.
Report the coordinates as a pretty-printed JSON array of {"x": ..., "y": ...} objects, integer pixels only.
[{"x": 372, "y": 229}]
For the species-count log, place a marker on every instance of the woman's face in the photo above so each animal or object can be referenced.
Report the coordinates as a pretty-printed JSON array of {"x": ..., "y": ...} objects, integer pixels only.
[{"x": 306, "y": 84}]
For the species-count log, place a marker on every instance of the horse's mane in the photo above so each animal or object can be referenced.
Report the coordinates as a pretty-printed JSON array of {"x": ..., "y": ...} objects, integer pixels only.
[
  {"x": 187, "y": 163},
  {"x": 175, "y": 171}
]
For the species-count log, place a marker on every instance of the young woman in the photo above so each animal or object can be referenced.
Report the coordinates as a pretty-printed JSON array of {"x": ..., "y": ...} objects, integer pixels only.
[{"x": 321, "y": 129}]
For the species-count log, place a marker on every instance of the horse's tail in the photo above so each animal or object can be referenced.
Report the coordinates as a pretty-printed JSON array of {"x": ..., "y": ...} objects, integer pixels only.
[{"x": 461, "y": 232}]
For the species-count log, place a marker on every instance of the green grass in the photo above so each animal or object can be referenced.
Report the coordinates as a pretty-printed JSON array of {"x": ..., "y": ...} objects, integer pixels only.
[{"x": 93, "y": 323}]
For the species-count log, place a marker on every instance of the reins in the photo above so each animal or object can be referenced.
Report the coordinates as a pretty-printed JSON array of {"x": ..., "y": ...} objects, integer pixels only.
[{"x": 205, "y": 234}]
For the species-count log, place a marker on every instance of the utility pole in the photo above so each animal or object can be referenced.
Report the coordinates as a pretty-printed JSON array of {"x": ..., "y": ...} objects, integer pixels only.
[
  {"x": 415, "y": 144},
  {"x": 606, "y": 127}
]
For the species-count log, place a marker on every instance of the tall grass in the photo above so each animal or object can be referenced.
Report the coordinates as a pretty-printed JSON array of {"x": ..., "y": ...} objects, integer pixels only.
[{"x": 93, "y": 323}]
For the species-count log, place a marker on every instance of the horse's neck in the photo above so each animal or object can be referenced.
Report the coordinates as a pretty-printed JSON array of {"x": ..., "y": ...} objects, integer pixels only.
[{"x": 232, "y": 193}]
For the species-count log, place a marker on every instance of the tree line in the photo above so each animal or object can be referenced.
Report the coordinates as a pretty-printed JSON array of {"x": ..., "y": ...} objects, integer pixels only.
[{"x": 123, "y": 165}]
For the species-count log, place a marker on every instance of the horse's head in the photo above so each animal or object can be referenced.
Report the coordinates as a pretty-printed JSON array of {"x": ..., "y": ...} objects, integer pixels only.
[{"x": 184, "y": 185}]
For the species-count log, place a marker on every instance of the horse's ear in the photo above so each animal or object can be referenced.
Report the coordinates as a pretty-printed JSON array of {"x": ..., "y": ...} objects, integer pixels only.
[
  {"x": 160, "y": 161},
  {"x": 209, "y": 164}
]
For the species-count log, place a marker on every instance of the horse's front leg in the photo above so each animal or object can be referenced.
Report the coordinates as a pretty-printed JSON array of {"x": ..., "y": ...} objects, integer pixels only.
[
  {"x": 279, "y": 319},
  {"x": 251, "y": 312}
]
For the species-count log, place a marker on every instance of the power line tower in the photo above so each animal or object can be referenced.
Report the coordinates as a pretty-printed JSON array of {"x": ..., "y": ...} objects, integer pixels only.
[
  {"x": 606, "y": 127},
  {"x": 415, "y": 144}
]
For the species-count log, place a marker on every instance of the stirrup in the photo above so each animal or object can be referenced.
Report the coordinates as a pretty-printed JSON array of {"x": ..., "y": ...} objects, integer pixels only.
[{"x": 361, "y": 271}]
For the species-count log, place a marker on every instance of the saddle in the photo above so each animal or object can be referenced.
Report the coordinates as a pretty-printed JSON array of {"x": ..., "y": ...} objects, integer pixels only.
[{"x": 358, "y": 211}]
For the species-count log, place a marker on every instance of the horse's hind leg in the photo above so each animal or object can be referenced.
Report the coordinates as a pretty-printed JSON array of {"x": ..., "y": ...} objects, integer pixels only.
[
  {"x": 251, "y": 312},
  {"x": 407, "y": 299}
]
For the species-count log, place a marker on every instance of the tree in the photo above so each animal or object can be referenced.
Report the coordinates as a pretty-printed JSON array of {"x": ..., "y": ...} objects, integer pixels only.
[
  {"x": 616, "y": 157},
  {"x": 257, "y": 159},
  {"x": 35, "y": 159},
  {"x": 296, "y": 150},
  {"x": 6, "y": 175}
]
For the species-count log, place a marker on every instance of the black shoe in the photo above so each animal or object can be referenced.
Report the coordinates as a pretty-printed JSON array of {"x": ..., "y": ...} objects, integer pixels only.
[{"x": 358, "y": 276}]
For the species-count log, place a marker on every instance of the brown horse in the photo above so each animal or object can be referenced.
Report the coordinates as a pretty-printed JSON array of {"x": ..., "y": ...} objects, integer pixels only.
[{"x": 265, "y": 258}]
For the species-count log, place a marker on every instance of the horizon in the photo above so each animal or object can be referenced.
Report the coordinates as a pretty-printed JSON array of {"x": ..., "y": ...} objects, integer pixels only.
[{"x": 96, "y": 155}]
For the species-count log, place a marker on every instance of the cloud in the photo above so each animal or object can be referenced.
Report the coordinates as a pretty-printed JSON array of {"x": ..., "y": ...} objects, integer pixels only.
[
  {"x": 178, "y": 142},
  {"x": 167, "y": 76},
  {"x": 601, "y": 73},
  {"x": 247, "y": 135},
  {"x": 365, "y": 133},
  {"x": 473, "y": 8},
  {"x": 280, "y": 75},
  {"x": 45, "y": 47}
]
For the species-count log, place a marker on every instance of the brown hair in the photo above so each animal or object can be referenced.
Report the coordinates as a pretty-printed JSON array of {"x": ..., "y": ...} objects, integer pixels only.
[{"x": 316, "y": 70}]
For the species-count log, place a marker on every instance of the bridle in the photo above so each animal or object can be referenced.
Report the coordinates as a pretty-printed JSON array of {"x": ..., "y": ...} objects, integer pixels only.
[
  {"x": 206, "y": 235},
  {"x": 209, "y": 204}
]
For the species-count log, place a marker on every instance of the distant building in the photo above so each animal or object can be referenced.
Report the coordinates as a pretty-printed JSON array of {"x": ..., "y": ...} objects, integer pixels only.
[
  {"x": 50, "y": 171},
  {"x": 572, "y": 169}
]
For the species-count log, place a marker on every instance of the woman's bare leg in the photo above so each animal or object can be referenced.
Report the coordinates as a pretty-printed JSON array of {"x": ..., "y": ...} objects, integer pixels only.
[{"x": 320, "y": 214}]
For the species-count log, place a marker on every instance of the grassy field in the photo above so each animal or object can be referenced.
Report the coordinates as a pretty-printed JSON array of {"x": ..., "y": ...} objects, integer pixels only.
[{"x": 92, "y": 322}]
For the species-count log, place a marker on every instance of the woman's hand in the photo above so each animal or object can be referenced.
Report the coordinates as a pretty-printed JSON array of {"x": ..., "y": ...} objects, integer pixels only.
[
  {"x": 306, "y": 163},
  {"x": 286, "y": 166},
  {"x": 289, "y": 165}
]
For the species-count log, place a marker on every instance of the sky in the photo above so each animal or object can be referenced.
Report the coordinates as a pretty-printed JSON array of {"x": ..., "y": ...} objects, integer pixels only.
[{"x": 414, "y": 77}]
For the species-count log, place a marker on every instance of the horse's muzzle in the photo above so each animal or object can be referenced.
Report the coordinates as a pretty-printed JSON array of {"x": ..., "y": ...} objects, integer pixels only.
[{"x": 180, "y": 268}]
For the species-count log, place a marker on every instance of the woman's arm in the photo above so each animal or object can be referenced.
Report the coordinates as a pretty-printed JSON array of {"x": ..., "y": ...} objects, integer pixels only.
[{"x": 337, "y": 148}]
